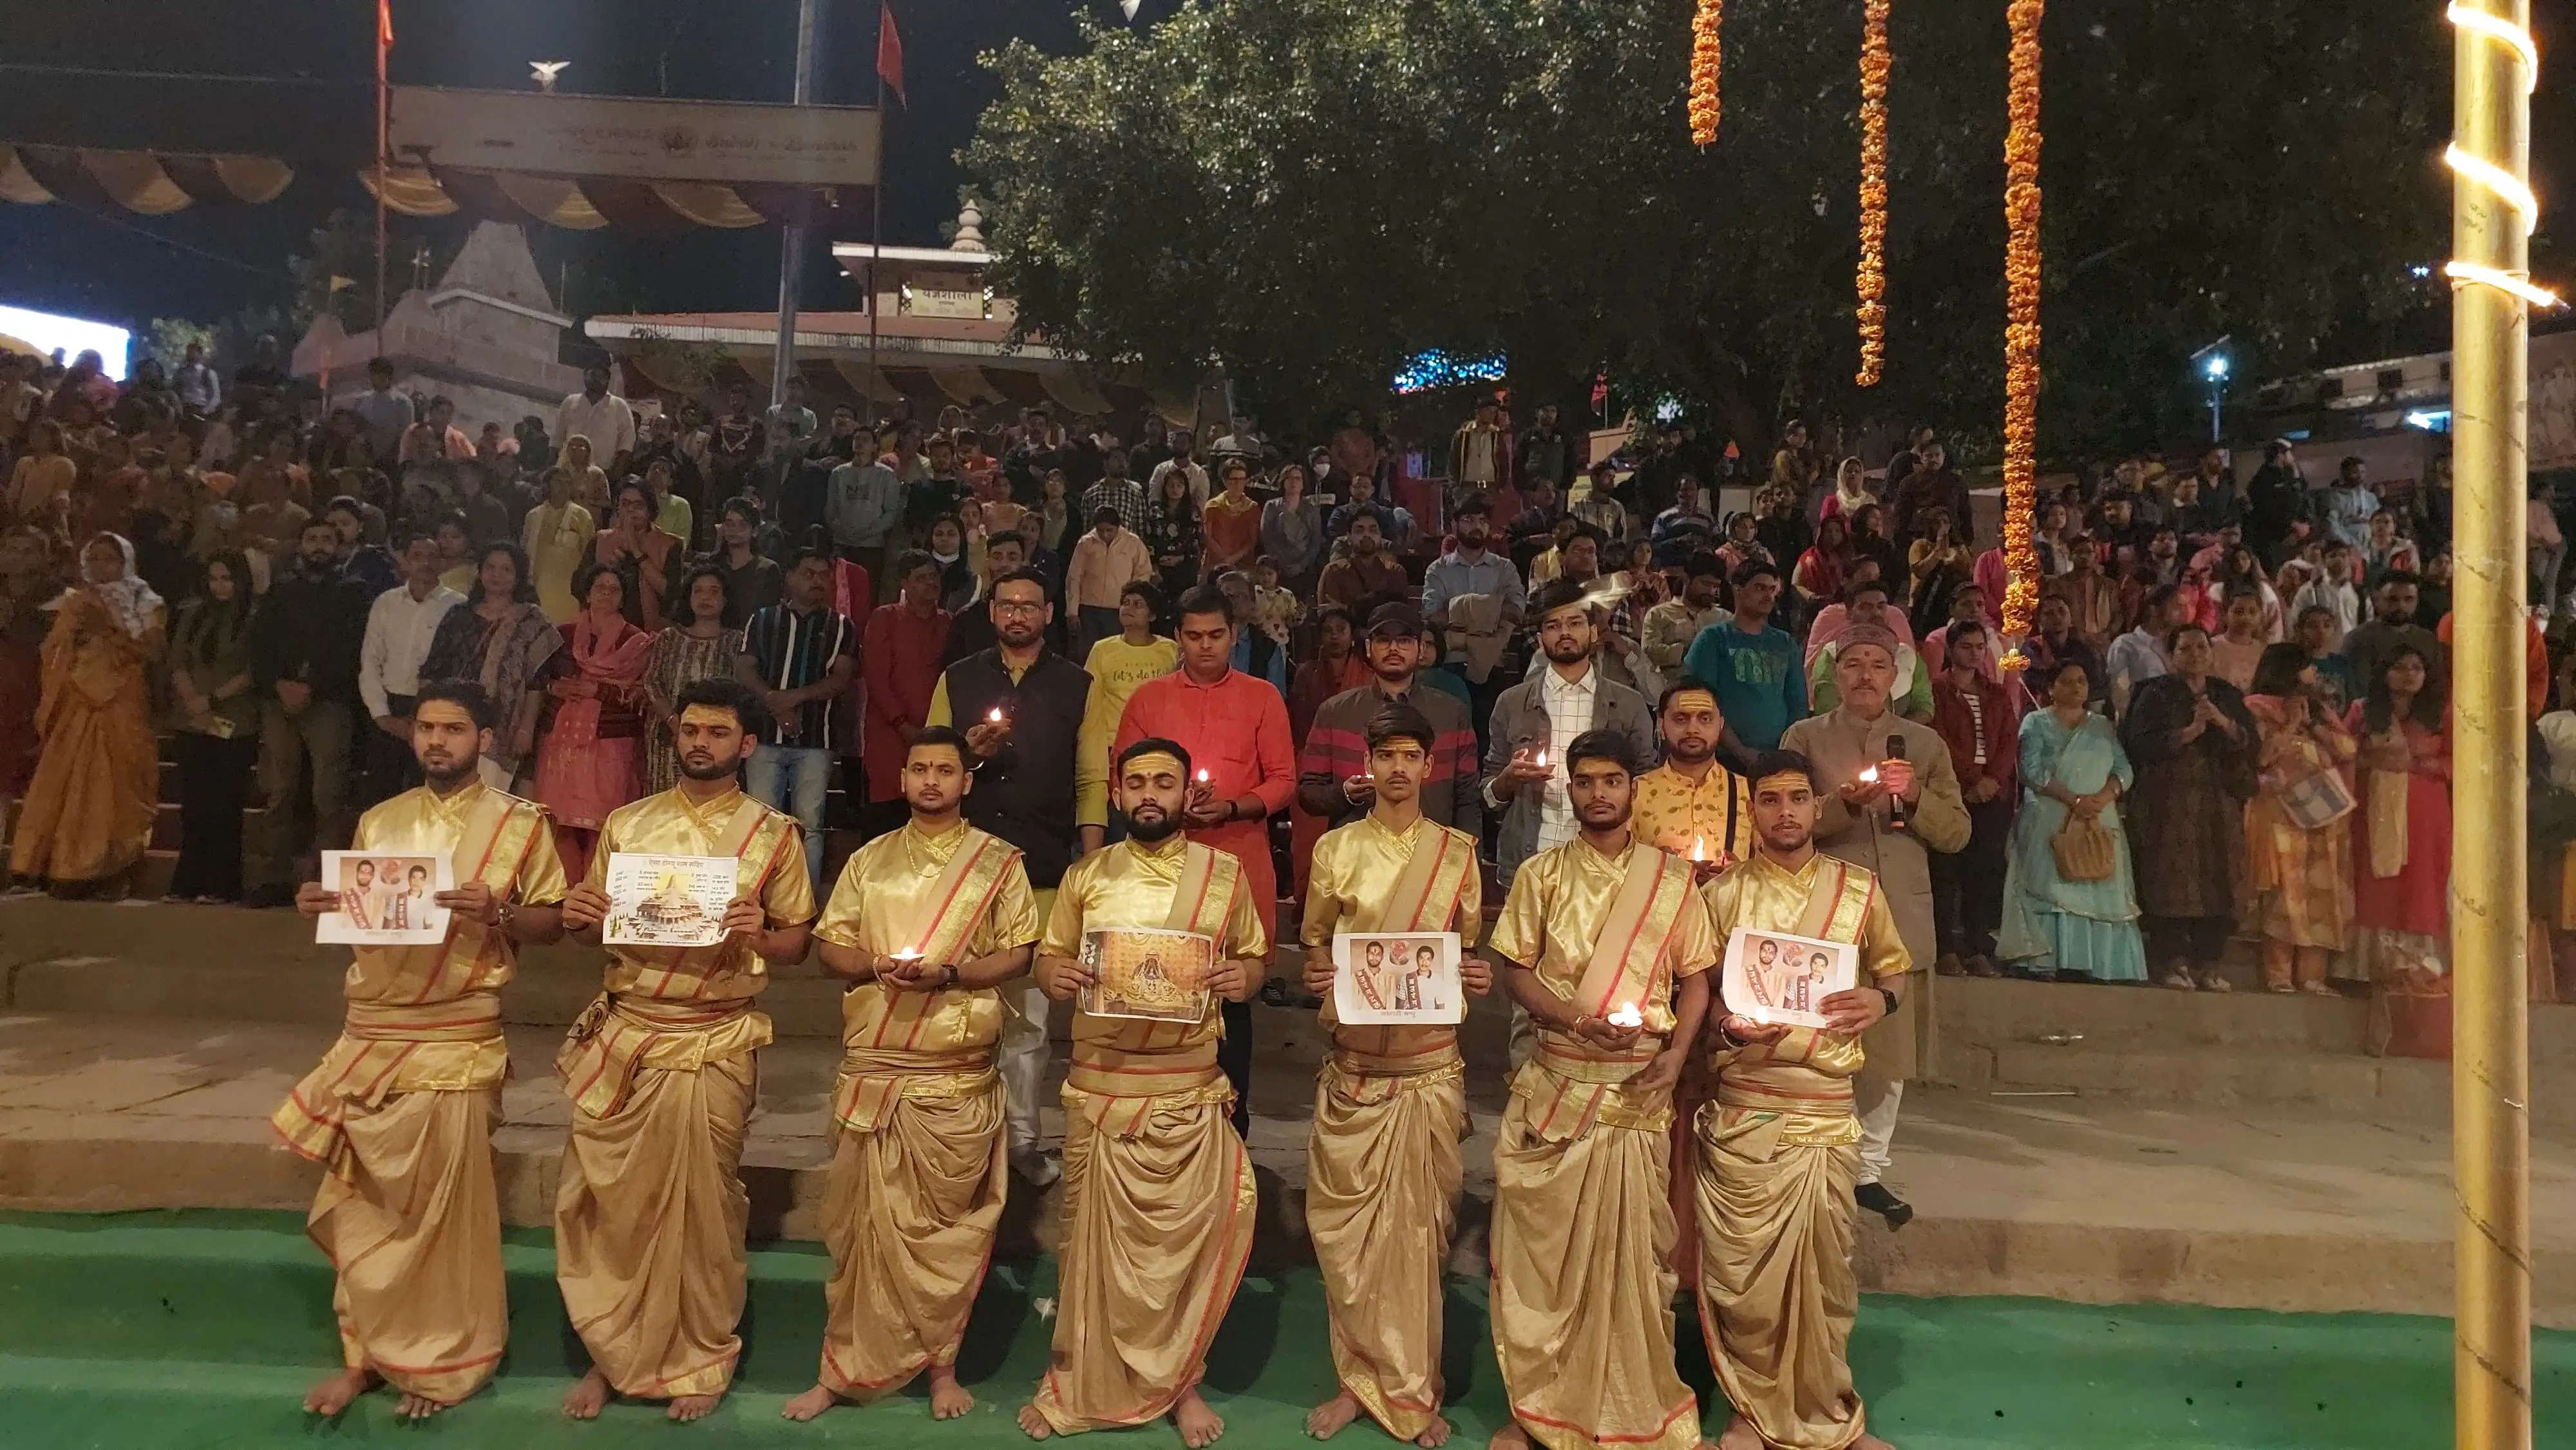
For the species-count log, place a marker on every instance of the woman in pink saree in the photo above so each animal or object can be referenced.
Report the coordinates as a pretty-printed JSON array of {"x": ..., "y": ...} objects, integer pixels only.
[{"x": 592, "y": 760}]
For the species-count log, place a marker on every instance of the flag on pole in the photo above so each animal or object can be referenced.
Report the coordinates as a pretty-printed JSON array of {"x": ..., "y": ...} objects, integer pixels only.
[{"x": 889, "y": 50}]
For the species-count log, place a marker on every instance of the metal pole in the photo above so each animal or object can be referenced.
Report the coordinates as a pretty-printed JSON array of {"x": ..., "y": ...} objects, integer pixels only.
[
  {"x": 384, "y": 145},
  {"x": 2490, "y": 910},
  {"x": 876, "y": 245},
  {"x": 791, "y": 241}
]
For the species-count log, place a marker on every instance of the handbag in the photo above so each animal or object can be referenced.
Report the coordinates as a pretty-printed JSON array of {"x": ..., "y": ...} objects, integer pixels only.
[
  {"x": 2317, "y": 801},
  {"x": 2084, "y": 849}
]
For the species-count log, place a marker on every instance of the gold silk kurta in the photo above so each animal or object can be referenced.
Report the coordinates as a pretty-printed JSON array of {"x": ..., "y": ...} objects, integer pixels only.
[
  {"x": 1382, "y": 1164},
  {"x": 650, "y": 1208},
  {"x": 1714, "y": 815},
  {"x": 1584, "y": 1230},
  {"x": 1158, "y": 1196},
  {"x": 1777, "y": 1154},
  {"x": 919, "y": 1166},
  {"x": 400, "y": 1111}
]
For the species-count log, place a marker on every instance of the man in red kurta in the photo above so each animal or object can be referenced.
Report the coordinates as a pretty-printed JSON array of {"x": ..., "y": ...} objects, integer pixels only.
[
  {"x": 900, "y": 649},
  {"x": 1235, "y": 728}
]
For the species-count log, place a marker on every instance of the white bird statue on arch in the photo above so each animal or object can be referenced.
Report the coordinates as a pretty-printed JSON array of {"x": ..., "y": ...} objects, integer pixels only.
[{"x": 545, "y": 72}]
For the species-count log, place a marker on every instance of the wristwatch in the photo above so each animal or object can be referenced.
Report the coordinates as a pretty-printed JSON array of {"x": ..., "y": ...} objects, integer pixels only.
[{"x": 1890, "y": 995}]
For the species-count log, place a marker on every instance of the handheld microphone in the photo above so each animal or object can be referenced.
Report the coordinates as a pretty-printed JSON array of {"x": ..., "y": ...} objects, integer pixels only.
[{"x": 1895, "y": 802}]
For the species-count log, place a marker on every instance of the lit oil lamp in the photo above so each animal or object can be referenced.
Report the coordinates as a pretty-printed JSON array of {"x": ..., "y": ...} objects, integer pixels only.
[{"x": 1626, "y": 1016}]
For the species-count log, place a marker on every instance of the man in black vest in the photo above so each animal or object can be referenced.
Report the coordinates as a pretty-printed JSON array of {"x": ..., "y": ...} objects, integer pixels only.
[{"x": 1021, "y": 708}]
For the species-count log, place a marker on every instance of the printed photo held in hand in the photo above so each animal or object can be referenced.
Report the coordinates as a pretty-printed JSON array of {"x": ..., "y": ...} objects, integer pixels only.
[
  {"x": 1396, "y": 981},
  {"x": 1776, "y": 978},
  {"x": 1146, "y": 972},
  {"x": 667, "y": 901},
  {"x": 385, "y": 898}
]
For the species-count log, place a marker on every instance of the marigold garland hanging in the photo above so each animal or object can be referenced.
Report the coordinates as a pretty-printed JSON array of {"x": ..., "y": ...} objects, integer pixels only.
[
  {"x": 1705, "y": 57},
  {"x": 2021, "y": 321},
  {"x": 1872, "y": 279}
]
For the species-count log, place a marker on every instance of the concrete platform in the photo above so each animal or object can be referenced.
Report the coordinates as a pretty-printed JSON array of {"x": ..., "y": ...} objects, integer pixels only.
[
  {"x": 2140, "y": 1045},
  {"x": 2065, "y": 1198}
]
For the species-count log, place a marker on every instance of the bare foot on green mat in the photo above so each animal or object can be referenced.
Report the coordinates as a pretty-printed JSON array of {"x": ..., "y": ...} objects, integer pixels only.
[
  {"x": 948, "y": 1398},
  {"x": 334, "y": 1394},
  {"x": 1510, "y": 1437},
  {"x": 694, "y": 1407},
  {"x": 1740, "y": 1435},
  {"x": 810, "y": 1404},
  {"x": 1330, "y": 1416},
  {"x": 418, "y": 1407},
  {"x": 1033, "y": 1424},
  {"x": 1198, "y": 1424},
  {"x": 1435, "y": 1437},
  {"x": 588, "y": 1397}
]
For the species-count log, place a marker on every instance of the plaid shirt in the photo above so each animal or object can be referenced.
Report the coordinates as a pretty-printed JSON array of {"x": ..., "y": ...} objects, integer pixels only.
[
  {"x": 1123, "y": 494},
  {"x": 1569, "y": 714}
]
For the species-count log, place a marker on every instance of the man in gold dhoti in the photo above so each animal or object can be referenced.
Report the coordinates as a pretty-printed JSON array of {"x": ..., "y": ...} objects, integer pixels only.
[
  {"x": 1382, "y": 1164},
  {"x": 1779, "y": 1147},
  {"x": 400, "y": 1112},
  {"x": 928, "y": 922},
  {"x": 1605, "y": 943},
  {"x": 650, "y": 1210},
  {"x": 1158, "y": 1196}
]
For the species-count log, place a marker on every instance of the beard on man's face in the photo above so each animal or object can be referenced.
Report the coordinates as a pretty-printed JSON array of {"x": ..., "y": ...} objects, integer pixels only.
[
  {"x": 1154, "y": 826},
  {"x": 703, "y": 765}
]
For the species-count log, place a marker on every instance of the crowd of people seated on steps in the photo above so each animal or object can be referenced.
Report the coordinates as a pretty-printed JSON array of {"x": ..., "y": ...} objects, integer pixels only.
[{"x": 2231, "y": 727}]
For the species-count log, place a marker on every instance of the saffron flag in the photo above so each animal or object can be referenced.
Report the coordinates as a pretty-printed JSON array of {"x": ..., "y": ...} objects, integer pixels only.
[{"x": 889, "y": 50}]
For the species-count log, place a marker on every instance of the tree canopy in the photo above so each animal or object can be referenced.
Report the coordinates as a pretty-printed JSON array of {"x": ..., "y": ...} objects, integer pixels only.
[{"x": 1309, "y": 194}]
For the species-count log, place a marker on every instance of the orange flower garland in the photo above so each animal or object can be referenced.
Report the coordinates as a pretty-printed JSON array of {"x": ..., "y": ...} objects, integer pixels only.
[
  {"x": 1704, "y": 68},
  {"x": 1872, "y": 280},
  {"x": 2021, "y": 322}
]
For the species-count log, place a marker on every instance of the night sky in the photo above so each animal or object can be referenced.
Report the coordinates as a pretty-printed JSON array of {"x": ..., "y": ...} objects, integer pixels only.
[{"x": 203, "y": 264}]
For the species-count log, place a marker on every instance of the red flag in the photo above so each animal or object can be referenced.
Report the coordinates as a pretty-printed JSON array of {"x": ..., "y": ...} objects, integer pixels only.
[{"x": 889, "y": 50}]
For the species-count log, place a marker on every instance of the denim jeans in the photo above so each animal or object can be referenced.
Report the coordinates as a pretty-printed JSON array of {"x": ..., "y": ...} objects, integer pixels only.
[{"x": 794, "y": 778}]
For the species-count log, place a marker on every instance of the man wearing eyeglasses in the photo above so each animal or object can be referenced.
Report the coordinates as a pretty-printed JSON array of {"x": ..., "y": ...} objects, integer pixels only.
[{"x": 1021, "y": 708}]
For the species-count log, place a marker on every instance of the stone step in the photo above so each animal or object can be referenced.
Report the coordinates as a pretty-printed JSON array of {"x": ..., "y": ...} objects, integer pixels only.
[
  {"x": 2350, "y": 1085},
  {"x": 2064, "y": 1198}
]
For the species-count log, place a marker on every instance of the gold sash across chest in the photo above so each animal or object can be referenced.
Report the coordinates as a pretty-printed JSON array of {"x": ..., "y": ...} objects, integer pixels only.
[
  {"x": 1123, "y": 1083},
  {"x": 1377, "y": 1061},
  {"x": 925, "y": 1044},
  {"x": 622, "y": 1032},
  {"x": 1785, "y": 1077},
  {"x": 1577, "y": 1084},
  {"x": 430, "y": 1043}
]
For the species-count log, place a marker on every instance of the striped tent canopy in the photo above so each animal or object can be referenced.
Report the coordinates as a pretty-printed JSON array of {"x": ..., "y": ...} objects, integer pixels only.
[
  {"x": 156, "y": 183},
  {"x": 153, "y": 183}
]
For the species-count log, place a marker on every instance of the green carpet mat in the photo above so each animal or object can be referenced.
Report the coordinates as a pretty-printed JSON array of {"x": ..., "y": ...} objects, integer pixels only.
[{"x": 201, "y": 1330}]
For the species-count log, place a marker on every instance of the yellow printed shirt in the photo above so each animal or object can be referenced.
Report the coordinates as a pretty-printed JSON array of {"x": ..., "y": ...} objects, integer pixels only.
[
  {"x": 1806, "y": 1077},
  {"x": 518, "y": 861},
  {"x": 881, "y": 901},
  {"x": 772, "y": 871},
  {"x": 1351, "y": 886},
  {"x": 1714, "y": 814}
]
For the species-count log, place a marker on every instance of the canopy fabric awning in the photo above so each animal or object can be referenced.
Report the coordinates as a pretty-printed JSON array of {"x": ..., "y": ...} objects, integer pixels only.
[
  {"x": 157, "y": 183},
  {"x": 590, "y": 202},
  {"x": 150, "y": 183}
]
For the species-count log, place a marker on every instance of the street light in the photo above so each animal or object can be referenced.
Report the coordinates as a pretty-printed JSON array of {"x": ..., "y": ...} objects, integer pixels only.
[{"x": 2213, "y": 365}]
